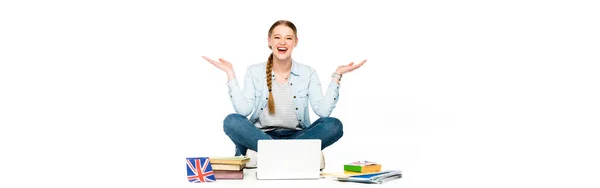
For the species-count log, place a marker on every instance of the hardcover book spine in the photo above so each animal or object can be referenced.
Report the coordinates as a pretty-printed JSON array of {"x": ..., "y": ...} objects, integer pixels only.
[
  {"x": 228, "y": 175},
  {"x": 352, "y": 168}
]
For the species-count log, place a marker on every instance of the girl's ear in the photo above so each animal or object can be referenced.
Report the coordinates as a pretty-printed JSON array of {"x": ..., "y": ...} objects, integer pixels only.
[
  {"x": 269, "y": 41},
  {"x": 296, "y": 43}
]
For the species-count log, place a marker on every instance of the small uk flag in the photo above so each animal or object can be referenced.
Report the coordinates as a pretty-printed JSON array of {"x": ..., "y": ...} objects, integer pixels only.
[{"x": 199, "y": 170}]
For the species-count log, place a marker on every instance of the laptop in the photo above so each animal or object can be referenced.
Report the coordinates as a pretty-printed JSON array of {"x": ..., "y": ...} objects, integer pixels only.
[{"x": 281, "y": 159}]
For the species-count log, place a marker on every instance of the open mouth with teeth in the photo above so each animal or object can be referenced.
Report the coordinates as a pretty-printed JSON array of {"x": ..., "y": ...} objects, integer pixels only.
[{"x": 282, "y": 50}]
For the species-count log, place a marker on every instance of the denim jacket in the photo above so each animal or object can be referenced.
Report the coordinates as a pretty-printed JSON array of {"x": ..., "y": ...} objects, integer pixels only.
[{"x": 305, "y": 86}]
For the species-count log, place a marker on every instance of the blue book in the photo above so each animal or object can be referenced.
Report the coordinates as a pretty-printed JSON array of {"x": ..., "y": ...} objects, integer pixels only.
[{"x": 377, "y": 178}]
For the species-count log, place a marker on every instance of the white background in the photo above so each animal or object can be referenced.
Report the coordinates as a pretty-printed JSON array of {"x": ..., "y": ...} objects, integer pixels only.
[{"x": 454, "y": 93}]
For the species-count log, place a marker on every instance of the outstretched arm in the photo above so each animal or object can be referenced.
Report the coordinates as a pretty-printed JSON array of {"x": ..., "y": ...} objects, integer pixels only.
[
  {"x": 242, "y": 100},
  {"x": 346, "y": 69},
  {"x": 323, "y": 105},
  {"x": 223, "y": 65}
]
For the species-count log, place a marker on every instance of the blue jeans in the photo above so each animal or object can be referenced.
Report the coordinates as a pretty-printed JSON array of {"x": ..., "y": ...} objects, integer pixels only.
[{"x": 245, "y": 135}]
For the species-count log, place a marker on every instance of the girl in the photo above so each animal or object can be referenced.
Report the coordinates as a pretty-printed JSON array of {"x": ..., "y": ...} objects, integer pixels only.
[{"x": 277, "y": 94}]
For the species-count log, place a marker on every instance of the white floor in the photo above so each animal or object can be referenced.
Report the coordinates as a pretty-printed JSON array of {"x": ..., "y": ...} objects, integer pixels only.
[{"x": 251, "y": 181}]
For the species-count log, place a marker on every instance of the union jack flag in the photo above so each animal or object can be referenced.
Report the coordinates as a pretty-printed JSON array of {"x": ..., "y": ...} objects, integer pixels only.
[{"x": 199, "y": 170}]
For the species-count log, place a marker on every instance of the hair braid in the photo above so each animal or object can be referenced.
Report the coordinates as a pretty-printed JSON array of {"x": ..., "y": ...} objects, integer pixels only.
[{"x": 271, "y": 101}]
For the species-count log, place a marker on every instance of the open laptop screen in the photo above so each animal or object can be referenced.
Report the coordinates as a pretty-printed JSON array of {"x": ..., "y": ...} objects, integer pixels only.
[{"x": 288, "y": 159}]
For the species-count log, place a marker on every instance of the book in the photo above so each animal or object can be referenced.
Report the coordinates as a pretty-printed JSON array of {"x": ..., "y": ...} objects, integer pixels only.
[
  {"x": 344, "y": 174},
  {"x": 228, "y": 167},
  {"x": 228, "y": 175},
  {"x": 376, "y": 178},
  {"x": 362, "y": 166},
  {"x": 229, "y": 160}
]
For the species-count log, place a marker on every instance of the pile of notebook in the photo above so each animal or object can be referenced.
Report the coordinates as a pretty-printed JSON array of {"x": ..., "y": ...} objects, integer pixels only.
[
  {"x": 379, "y": 177},
  {"x": 228, "y": 168},
  {"x": 365, "y": 172}
]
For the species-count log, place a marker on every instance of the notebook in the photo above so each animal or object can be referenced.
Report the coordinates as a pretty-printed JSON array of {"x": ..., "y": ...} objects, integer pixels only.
[
  {"x": 288, "y": 159},
  {"x": 376, "y": 178}
]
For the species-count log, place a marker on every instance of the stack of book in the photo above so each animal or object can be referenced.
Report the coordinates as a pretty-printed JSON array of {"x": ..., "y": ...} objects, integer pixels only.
[
  {"x": 227, "y": 168},
  {"x": 362, "y": 166},
  {"x": 374, "y": 177},
  {"x": 364, "y": 172}
]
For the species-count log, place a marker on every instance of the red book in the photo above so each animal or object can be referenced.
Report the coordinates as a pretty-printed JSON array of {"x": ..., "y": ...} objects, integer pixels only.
[{"x": 228, "y": 175}]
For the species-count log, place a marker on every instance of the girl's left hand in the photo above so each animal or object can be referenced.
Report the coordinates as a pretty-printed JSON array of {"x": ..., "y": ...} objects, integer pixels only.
[{"x": 349, "y": 68}]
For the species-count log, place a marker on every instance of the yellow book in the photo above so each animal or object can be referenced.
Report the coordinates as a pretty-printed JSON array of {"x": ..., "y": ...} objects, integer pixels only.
[
  {"x": 228, "y": 167},
  {"x": 237, "y": 160}
]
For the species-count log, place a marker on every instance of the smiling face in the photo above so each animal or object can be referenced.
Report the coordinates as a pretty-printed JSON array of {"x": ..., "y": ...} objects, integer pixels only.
[{"x": 282, "y": 40}]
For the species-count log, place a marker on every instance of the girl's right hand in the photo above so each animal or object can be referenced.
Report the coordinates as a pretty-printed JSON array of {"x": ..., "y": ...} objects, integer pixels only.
[{"x": 223, "y": 65}]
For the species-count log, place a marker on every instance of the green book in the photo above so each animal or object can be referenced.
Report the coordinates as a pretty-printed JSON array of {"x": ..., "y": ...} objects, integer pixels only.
[{"x": 362, "y": 166}]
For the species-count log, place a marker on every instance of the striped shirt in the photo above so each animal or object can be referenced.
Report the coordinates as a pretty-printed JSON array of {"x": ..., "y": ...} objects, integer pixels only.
[{"x": 285, "y": 115}]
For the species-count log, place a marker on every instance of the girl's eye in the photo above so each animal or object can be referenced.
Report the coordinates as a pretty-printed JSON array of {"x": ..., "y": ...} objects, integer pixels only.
[
  {"x": 289, "y": 38},
  {"x": 276, "y": 37}
]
